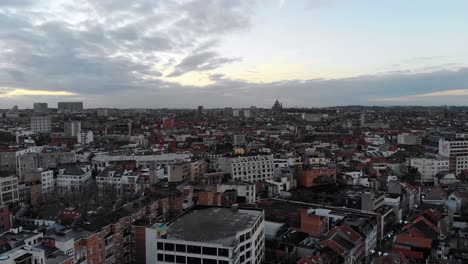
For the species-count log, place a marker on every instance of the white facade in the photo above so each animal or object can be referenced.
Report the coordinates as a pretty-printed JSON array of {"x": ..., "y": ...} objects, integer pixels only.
[
  {"x": 72, "y": 129},
  {"x": 248, "y": 168},
  {"x": 375, "y": 140},
  {"x": 120, "y": 180},
  {"x": 85, "y": 137},
  {"x": 235, "y": 113},
  {"x": 47, "y": 181},
  {"x": 455, "y": 149},
  {"x": 243, "y": 189},
  {"x": 429, "y": 167},
  {"x": 358, "y": 178},
  {"x": 69, "y": 181},
  {"x": 408, "y": 139},
  {"x": 239, "y": 140},
  {"x": 41, "y": 124},
  {"x": 9, "y": 190}
]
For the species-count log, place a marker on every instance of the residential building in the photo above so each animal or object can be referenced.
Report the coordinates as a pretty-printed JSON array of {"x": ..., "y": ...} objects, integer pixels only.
[
  {"x": 72, "y": 128},
  {"x": 118, "y": 180},
  {"x": 248, "y": 168},
  {"x": 245, "y": 191},
  {"x": 72, "y": 178},
  {"x": 41, "y": 124},
  {"x": 9, "y": 190},
  {"x": 408, "y": 139},
  {"x": 239, "y": 140},
  {"x": 85, "y": 137},
  {"x": 313, "y": 176},
  {"x": 209, "y": 235},
  {"x": 7, "y": 161},
  {"x": 5, "y": 218},
  {"x": 178, "y": 172},
  {"x": 70, "y": 107},
  {"x": 31, "y": 159},
  {"x": 40, "y": 108},
  {"x": 429, "y": 166},
  {"x": 457, "y": 152}
]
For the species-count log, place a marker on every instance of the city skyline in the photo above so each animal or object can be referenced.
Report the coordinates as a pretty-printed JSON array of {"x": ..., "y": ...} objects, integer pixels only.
[{"x": 180, "y": 54}]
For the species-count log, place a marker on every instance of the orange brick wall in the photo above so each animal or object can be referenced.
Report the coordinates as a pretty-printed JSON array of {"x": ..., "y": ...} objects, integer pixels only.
[
  {"x": 312, "y": 224},
  {"x": 309, "y": 177}
]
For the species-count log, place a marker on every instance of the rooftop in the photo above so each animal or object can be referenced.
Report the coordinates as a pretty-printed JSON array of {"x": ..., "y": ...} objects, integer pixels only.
[{"x": 218, "y": 225}]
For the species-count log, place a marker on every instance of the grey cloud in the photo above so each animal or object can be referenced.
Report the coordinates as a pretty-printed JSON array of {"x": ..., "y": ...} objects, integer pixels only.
[
  {"x": 115, "y": 47},
  {"x": 15, "y": 3},
  {"x": 200, "y": 62}
]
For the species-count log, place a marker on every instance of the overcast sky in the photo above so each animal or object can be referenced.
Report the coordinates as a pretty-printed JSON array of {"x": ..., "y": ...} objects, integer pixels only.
[{"x": 217, "y": 53}]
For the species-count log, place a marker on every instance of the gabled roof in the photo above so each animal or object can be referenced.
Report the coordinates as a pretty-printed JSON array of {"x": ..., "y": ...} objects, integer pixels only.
[{"x": 417, "y": 242}]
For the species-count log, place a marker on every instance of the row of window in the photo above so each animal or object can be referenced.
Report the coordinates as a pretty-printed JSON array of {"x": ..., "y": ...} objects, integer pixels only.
[
  {"x": 223, "y": 252},
  {"x": 191, "y": 260}
]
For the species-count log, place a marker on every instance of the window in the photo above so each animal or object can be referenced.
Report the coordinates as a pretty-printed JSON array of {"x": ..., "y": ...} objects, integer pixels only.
[
  {"x": 160, "y": 246},
  {"x": 192, "y": 260},
  {"x": 194, "y": 249},
  {"x": 160, "y": 257},
  {"x": 223, "y": 252},
  {"x": 180, "y": 259},
  {"x": 222, "y": 262},
  {"x": 169, "y": 258},
  {"x": 180, "y": 248},
  {"x": 209, "y": 261},
  {"x": 209, "y": 251},
  {"x": 169, "y": 247}
]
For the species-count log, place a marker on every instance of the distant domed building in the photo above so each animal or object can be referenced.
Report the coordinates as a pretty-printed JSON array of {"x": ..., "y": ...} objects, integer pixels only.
[{"x": 277, "y": 106}]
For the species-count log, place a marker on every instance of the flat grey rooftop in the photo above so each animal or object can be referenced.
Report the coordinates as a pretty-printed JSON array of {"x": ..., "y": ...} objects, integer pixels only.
[{"x": 215, "y": 225}]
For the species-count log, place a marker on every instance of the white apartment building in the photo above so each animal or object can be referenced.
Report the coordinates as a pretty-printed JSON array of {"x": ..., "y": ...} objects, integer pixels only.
[
  {"x": 72, "y": 128},
  {"x": 374, "y": 140},
  {"x": 408, "y": 139},
  {"x": 209, "y": 235},
  {"x": 243, "y": 189},
  {"x": 9, "y": 190},
  {"x": 430, "y": 166},
  {"x": 73, "y": 178},
  {"x": 85, "y": 137},
  {"x": 248, "y": 168},
  {"x": 41, "y": 124},
  {"x": 457, "y": 152},
  {"x": 47, "y": 181},
  {"x": 119, "y": 180}
]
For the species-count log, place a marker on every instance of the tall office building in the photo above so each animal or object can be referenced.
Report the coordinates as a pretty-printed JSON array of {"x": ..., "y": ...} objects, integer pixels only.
[
  {"x": 70, "y": 107},
  {"x": 40, "y": 107},
  {"x": 72, "y": 129},
  {"x": 200, "y": 110},
  {"x": 41, "y": 124}
]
